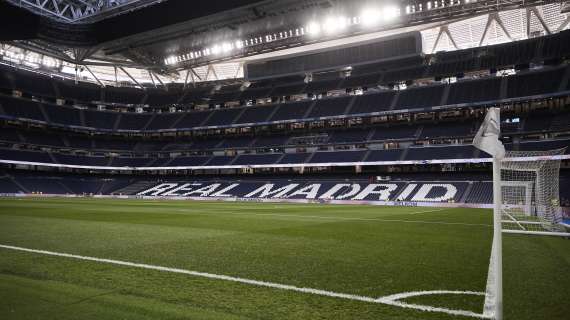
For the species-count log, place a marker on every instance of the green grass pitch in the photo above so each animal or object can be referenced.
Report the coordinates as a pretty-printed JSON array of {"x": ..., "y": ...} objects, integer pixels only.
[{"x": 366, "y": 251}]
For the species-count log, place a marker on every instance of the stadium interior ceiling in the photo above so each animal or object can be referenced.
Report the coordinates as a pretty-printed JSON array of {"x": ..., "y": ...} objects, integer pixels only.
[{"x": 106, "y": 43}]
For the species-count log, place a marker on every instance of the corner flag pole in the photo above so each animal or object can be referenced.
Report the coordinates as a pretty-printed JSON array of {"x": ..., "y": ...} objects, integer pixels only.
[
  {"x": 487, "y": 140},
  {"x": 497, "y": 239}
]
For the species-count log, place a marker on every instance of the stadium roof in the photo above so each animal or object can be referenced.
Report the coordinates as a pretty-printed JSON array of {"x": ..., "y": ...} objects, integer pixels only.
[
  {"x": 174, "y": 40},
  {"x": 86, "y": 11}
]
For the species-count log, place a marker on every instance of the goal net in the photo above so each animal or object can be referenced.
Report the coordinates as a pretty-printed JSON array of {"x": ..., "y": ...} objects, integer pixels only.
[{"x": 530, "y": 192}]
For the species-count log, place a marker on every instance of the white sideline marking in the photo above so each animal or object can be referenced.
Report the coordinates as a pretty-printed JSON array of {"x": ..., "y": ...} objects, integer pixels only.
[{"x": 392, "y": 300}]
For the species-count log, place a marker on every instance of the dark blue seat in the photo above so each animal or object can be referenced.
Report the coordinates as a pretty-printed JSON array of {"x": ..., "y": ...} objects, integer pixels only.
[
  {"x": 330, "y": 107},
  {"x": 21, "y": 108},
  {"x": 256, "y": 114},
  {"x": 446, "y": 129},
  {"x": 100, "y": 119},
  {"x": 164, "y": 121},
  {"x": 394, "y": 133},
  {"x": 349, "y": 136},
  {"x": 189, "y": 161},
  {"x": 338, "y": 156},
  {"x": 130, "y": 162},
  {"x": 63, "y": 115},
  {"x": 250, "y": 159},
  {"x": 291, "y": 110},
  {"x": 123, "y": 95},
  {"x": 80, "y": 91},
  {"x": 421, "y": 97},
  {"x": 223, "y": 117},
  {"x": 192, "y": 119},
  {"x": 133, "y": 121},
  {"x": 81, "y": 160},
  {"x": 372, "y": 102},
  {"x": 534, "y": 83},
  {"x": 271, "y": 141},
  {"x": 24, "y": 155},
  {"x": 384, "y": 155},
  {"x": 220, "y": 161},
  {"x": 474, "y": 91},
  {"x": 443, "y": 152},
  {"x": 236, "y": 143},
  {"x": 294, "y": 158}
]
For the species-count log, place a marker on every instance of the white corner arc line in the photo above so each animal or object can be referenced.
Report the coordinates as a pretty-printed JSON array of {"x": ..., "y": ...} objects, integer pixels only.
[{"x": 392, "y": 300}]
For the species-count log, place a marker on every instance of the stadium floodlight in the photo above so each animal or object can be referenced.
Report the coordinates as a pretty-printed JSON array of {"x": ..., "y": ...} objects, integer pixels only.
[
  {"x": 239, "y": 44},
  {"x": 216, "y": 49},
  {"x": 334, "y": 24},
  {"x": 370, "y": 17},
  {"x": 313, "y": 28},
  {"x": 226, "y": 47},
  {"x": 49, "y": 62},
  {"x": 390, "y": 13},
  {"x": 170, "y": 60},
  {"x": 32, "y": 59},
  {"x": 14, "y": 57}
]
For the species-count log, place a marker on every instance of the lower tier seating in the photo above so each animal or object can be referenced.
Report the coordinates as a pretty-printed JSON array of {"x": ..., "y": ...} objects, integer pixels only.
[{"x": 409, "y": 188}]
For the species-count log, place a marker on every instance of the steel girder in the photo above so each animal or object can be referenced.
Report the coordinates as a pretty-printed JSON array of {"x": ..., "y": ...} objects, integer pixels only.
[{"x": 79, "y": 11}]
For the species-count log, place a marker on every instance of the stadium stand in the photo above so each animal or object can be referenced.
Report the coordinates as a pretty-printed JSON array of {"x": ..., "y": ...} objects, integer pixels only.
[{"x": 366, "y": 116}]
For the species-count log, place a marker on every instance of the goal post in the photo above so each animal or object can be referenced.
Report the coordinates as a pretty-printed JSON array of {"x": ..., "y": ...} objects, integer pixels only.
[
  {"x": 530, "y": 193},
  {"x": 526, "y": 200}
]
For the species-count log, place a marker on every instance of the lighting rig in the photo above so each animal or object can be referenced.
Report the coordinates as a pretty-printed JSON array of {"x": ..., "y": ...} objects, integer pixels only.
[{"x": 370, "y": 18}]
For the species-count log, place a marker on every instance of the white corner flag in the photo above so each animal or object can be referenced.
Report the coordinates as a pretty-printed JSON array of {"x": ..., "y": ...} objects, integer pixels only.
[{"x": 487, "y": 138}]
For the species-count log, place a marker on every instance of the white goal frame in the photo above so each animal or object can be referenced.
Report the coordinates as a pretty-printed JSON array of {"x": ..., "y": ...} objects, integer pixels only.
[{"x": 535, "y": 207}]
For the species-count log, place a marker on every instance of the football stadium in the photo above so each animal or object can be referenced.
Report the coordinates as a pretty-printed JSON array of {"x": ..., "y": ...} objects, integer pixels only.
[{"x": 284, "y": 159}]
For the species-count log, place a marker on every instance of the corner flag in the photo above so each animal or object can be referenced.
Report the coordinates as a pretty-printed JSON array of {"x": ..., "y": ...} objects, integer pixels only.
[{"x": 487, "y": 138}]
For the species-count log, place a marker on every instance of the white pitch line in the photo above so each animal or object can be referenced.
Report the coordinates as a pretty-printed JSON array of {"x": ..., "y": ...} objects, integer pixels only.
[
  {"x": 426, "y": 211},
  {"x": 331, "y": 218},
  {"x": 362, "y": 219},
  {"x": 224, "y": 212},
  {"x": 392, "y": 300}
]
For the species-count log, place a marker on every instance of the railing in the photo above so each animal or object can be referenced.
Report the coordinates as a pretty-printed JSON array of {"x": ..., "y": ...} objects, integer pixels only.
[{"x": 291, "y": 165}]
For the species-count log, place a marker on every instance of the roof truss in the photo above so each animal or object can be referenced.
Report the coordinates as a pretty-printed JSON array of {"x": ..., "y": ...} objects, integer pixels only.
[{"x": 77, "y": 11}]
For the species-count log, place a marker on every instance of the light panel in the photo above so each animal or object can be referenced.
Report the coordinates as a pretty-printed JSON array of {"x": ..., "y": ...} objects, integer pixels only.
[{"x": 328, "y": 26}]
